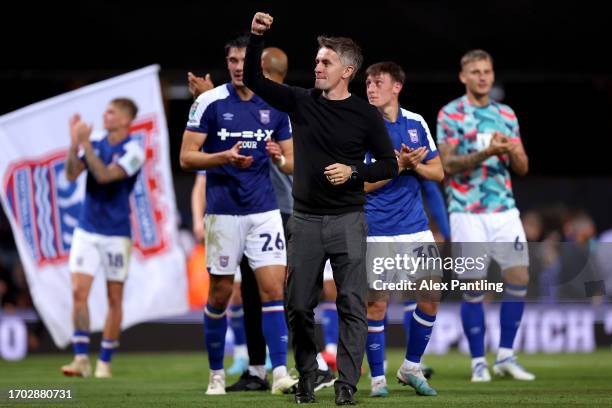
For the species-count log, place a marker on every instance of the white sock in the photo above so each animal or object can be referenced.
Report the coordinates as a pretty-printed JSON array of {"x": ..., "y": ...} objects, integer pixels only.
[
  {"x": 278, "y": 372},
  {"x": 220, "y": 372},
  {"x": 331, "y": 348},
  {"x": 410, "y": 366},
  {"x": 477, "y": 360},
  {"x": 80, "y": 357},
  {"x": 321, "y": 362},
  {"x": 504, "y": 353},
  {"x": 258, "y": 371},
  {"x": 381, "y": 379},
  {"x": 241, "y": 351}
]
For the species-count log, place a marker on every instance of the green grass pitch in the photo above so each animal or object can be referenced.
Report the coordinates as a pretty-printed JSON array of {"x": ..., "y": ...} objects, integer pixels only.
[{"x": 179, "y": 380}]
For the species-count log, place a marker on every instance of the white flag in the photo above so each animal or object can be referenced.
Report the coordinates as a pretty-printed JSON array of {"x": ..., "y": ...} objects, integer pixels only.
[{"x": 43, "y": 207}]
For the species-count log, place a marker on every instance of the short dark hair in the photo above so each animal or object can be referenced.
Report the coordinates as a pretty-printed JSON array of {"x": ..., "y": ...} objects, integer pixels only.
[
  {"x": 347, "y": 49},
  {"x": 126, "y": 105},
  {"x": 387, "y": 67},
  {"x": 239, "y": 42},
  {"x": 475, "y": 55}
]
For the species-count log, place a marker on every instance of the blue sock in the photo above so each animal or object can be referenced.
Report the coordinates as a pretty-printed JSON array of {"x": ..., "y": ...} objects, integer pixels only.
[
  {"x": 108, "y": 348},
  {"x": 237, "y": 324},
  {"x": 80, "y": 342},
  {"x": 330, "y": 323},
  {"x": 511, "y": 313},
  {"x": 472, "y": 317},
  {"x": 275, "y": 332},
  {"x": 215, "y": 326},
  {"x": 421, "y": 326},
  {"x": 375, "y": 347},
  {"x": 409, "y": 308}
]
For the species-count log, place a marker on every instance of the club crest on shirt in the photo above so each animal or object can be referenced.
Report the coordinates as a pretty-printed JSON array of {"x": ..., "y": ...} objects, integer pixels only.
[
  {"x": 223, "y": 261},
  {"x": 264, "y": 116},
  {"x": 414, "y": 136}
]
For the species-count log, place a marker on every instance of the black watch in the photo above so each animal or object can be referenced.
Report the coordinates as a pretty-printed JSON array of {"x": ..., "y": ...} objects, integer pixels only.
[{"x": 354, "y": 173}]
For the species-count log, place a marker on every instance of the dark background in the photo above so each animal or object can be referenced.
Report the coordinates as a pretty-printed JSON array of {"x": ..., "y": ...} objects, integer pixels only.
[{"x": 551, "y": 59}]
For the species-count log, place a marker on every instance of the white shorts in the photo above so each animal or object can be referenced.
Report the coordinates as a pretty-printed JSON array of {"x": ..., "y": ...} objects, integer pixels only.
[
  {"x": 90, "y": 252},
  {"x": 416, "y": 245},
  {"x": 422, "y": 236},
  {"x": 499, "y": 236},
  {"x": 258, "y": 236},
  {"x": 328, "y": 273}
]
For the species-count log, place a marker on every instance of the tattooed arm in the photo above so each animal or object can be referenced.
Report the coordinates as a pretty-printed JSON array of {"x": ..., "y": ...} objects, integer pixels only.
[{"x": 455, "y": 163}]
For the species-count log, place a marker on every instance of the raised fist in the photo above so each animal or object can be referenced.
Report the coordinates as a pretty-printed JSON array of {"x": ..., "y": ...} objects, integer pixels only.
[{"x": 261, "y": 23}]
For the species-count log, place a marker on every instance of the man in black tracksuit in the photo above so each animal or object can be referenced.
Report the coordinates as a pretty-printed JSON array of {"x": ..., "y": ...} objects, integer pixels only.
[{"x": 332, "y": 130}]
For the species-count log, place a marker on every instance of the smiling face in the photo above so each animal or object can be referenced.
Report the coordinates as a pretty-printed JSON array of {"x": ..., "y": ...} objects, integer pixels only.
[
  {"x": 235, "y": 65},
  {"x": 478, "y": 77},
  {"x": 382, "y": 90},
  {"x": 329, "y": 70}
]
